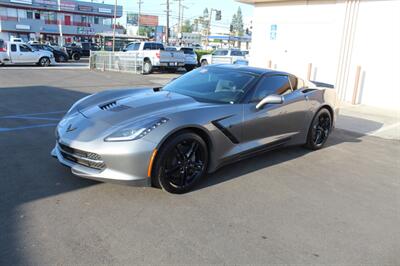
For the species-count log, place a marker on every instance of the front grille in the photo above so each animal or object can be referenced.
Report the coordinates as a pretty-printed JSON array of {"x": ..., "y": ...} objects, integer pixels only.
[{"x": 88, "y": 159}]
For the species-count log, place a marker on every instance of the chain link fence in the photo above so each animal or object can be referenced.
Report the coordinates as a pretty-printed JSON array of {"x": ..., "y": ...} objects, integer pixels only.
[{"x": 116, "y": 61}]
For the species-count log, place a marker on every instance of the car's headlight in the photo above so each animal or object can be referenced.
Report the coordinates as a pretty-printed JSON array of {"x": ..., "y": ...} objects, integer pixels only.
[{"x": 136, "y": 130}]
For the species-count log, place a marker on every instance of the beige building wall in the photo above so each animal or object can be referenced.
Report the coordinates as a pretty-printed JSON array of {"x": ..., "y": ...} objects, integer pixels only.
[{"x": 329, "y": 40}]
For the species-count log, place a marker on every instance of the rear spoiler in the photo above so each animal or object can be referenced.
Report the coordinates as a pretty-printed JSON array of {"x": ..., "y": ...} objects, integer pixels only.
[{"x": 322, "y": 84}]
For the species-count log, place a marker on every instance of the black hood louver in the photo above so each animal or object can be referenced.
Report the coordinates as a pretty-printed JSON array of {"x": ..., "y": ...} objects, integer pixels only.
[{"x": 113, "y": 106}]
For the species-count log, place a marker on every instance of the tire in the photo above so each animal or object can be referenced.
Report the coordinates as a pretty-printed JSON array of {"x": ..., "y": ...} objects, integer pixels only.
[
  {"x": 44, "y": 61},
  {"x": 147, "y": 67},
  {"x": 319, "y": 130},
  {"x": 185, "y": 156},
  {"x": 76, "y": 56},
  {"x": 204, "y": 62},
  {"x": 189, "y": 68}
]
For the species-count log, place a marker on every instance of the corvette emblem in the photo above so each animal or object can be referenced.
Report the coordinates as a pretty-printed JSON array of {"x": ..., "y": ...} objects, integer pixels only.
[{"x": 70, "y": 128}]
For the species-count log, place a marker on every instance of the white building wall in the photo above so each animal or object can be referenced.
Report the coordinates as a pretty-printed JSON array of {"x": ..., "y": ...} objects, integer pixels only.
[{"x": 313, "y": 32}]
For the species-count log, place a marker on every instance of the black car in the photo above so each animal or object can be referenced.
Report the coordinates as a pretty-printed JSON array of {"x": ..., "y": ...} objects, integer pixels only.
[
  {"x": 59, "y": 55},
  {"x": 87, "y": 47},
  {"x": 74, "y": 51}
]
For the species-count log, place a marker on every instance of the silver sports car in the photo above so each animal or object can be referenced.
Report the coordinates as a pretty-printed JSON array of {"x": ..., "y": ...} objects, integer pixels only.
[{"x": 170, "y": 137}]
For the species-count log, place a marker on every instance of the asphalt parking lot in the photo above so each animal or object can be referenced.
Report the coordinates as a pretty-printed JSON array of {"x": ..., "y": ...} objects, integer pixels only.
[{"x": 339, "y": 205}]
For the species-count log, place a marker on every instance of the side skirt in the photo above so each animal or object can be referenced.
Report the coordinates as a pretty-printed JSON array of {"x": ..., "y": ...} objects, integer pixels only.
[{"x": 252, "y": 152}]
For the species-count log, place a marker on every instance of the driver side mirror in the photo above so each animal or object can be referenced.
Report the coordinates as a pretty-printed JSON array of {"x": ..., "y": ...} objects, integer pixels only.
[{"x": 270, "y": 99}]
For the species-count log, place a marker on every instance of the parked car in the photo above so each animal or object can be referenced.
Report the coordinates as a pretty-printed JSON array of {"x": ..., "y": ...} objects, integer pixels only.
[
  {"x": 23, "y": 53},
  {"x": 89, "y": 46},
  {"x": 74, "y": 51},
  {"x": 171, "y": 137},
  {"x": 155, "y": 56},
  {"x": 59, "y": 55},
  {"x": 190, "y": 58},
  {"x": 224, "y": 56}
]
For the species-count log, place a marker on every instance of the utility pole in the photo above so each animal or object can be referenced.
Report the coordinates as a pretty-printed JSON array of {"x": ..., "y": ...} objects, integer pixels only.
[
  {"x": 167, "y": 33},
  {"x": 179, "y": 16},
  {"x": 140, "y": 9},
  {"x": 60, "y": 24},
  {"x": 115, "y": 22},
  {"x": 209, "y": 26}
]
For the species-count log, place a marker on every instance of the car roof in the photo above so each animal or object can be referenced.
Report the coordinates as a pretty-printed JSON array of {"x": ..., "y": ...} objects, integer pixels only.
[{"x": 249, "y": 69}]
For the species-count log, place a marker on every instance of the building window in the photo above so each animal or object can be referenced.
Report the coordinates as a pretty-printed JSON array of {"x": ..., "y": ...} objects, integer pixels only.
[
  {"x": 12, "y": 12},
  {"x": 29, "y": 14},
  {"x": 107, "y": 21},
  {"x": 83, "y": 19},
  {"x": 96, "y": 20},
  {"x": 21, "y": 13},
  {"x": 37, "y": 15}
]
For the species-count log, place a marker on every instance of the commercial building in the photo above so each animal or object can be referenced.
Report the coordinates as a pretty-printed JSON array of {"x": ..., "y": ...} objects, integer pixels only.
[
  {"x": 57, "y": 21},
  {"x": 353, "y": 44}
]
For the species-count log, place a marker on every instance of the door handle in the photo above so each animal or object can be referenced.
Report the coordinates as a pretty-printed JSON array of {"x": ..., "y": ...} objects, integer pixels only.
[{"x": 307, "y": 98}]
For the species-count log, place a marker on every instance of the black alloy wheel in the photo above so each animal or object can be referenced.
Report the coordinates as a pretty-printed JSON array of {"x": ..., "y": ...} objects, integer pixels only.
[
  {"x": 181, "y": 163},
  {"x": 319, "y": 130}
]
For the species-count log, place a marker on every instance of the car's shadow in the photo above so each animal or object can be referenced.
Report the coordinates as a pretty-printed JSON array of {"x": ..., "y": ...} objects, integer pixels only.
[{"x": 275, "y": 157}]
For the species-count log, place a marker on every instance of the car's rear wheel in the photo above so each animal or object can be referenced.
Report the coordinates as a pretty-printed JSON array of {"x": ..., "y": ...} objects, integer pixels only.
[
  {"x": 147, "y": 67},
  {"x": 319, "y": 130},
  {"x": 76, "y": 56},
  {"x": 181, "y": 163},
  {"x": 44, "y": 61}
]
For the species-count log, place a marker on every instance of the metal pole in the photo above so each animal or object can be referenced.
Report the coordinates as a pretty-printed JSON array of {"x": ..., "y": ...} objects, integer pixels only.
[
  {"x": 167, "y": 33},
  {"x": 60, "y": 24},
  {"x": 140, "y": 9},
  {"x": 209, "y": 26},
  {"x": 356, "y": 86},
  {"x": 179, "y": 17},
  {"x": 115, "y": 22}
]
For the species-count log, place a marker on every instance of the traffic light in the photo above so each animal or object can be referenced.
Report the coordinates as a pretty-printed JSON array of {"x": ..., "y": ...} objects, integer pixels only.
[{"x": 218, "y": 15}]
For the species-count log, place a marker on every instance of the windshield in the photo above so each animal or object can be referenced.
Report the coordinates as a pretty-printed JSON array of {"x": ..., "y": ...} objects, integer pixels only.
[
  {"x": 187, "y": 50},
  {"x": 212, "y": 85}
]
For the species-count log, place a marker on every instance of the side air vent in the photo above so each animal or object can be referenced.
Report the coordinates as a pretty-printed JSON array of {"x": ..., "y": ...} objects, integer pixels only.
[{"x": 226, "y": 132}]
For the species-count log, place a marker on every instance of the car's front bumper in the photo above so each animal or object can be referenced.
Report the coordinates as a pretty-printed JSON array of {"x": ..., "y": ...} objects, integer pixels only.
[{"x": 123, "y": 164}]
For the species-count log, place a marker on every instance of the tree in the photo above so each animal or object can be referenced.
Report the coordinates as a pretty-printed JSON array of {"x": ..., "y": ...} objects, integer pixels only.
[
  {"x": 187, "y": 27},
  {"x": 237, "y": 23}
]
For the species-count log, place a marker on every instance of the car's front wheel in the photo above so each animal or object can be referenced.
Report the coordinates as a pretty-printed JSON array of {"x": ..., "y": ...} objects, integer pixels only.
[
  {"x": 204, "y": 62},
  {"x": 181, "y": 163},
  {"x": 44, "y": 61},
  {"x": 319, "y": 130}
]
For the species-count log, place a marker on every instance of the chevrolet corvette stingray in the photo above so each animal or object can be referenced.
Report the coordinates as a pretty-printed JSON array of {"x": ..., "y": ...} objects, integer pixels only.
[{"x": 172, "y": 136}]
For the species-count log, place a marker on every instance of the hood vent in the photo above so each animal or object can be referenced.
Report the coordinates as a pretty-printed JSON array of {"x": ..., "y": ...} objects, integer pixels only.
[{"x": 113, "y": 106}]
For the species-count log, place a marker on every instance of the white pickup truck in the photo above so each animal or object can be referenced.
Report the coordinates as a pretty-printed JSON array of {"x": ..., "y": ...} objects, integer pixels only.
[
  {"x": 21, "y": 53},
  {"x": 154, "y": 55},
  {"x": 224, "y": 56}
]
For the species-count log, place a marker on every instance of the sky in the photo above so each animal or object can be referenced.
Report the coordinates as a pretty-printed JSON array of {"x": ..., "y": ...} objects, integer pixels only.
[{"x": 194, "y": 9}]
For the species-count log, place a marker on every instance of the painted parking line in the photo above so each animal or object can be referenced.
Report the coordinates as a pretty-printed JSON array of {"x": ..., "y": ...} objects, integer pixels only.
[
  {"x": 32, "y": 116},
  {"x": 2, "y": 129}
]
